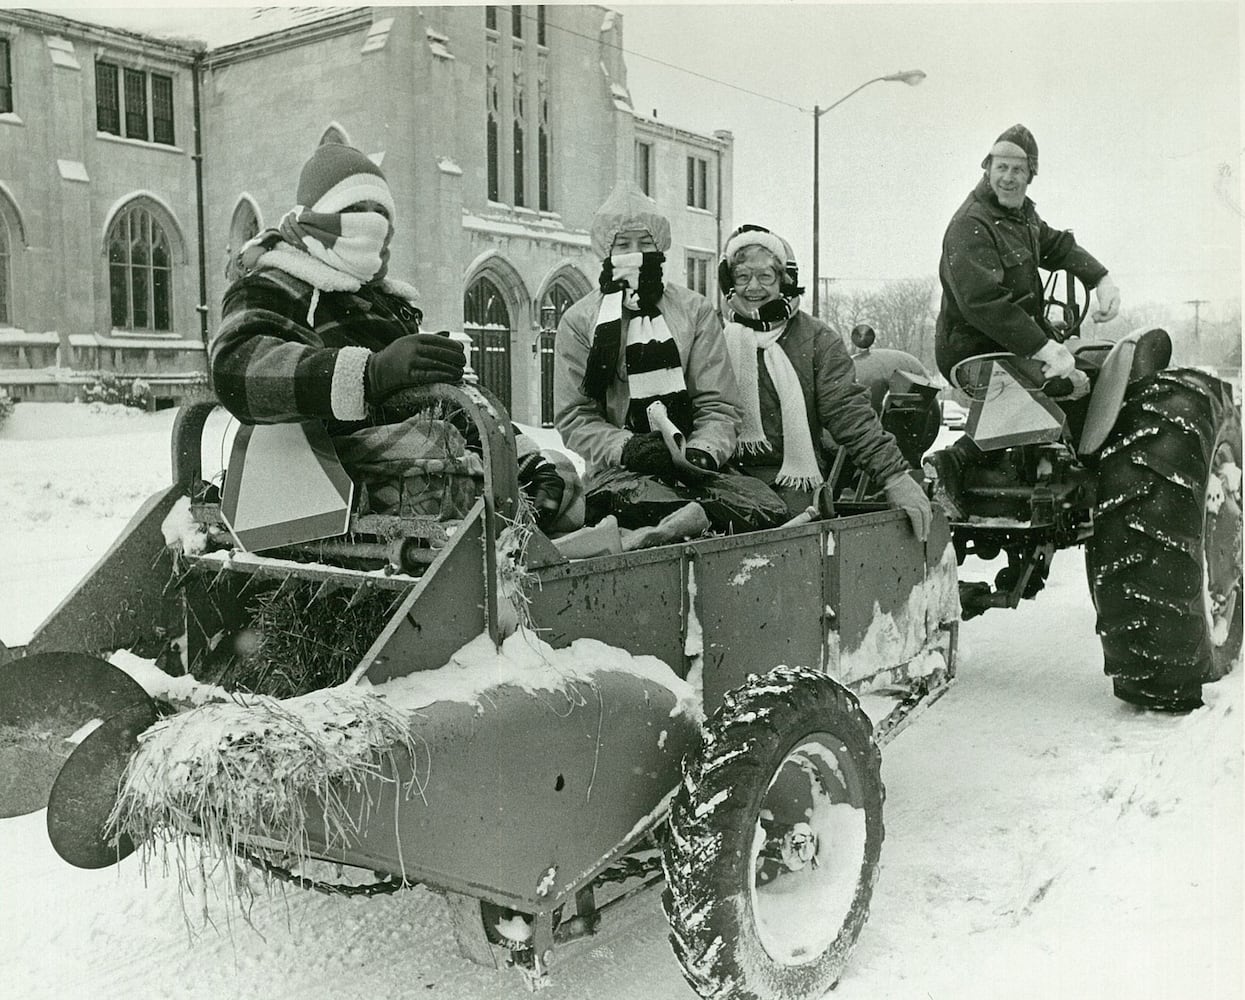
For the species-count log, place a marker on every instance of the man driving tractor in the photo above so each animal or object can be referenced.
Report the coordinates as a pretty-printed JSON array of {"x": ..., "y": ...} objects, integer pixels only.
[{"x": 992, "y": 292}]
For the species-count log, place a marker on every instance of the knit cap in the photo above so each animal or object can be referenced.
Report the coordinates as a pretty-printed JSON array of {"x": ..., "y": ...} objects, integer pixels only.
[
  {"x": 1015, "y": 141},
  {"x": 338, "y": 176}
]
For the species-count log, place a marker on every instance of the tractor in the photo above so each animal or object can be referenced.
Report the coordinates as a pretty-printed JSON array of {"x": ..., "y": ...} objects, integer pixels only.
[{"x": 1144, "y": 471}]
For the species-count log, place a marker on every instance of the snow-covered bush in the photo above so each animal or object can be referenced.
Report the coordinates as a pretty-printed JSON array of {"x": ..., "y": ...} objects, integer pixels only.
[
  {"x": 6, "y": 406},
  {"x": 110, "y": 388}
]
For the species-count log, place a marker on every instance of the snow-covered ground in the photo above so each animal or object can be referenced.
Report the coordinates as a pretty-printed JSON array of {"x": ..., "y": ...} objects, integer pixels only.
[{"x": 1042, "y": 839}]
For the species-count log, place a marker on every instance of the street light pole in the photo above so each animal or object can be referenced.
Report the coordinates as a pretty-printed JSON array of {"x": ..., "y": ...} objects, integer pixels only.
[
  {"x": 911, "y": 77},
  {"x": 817, "y": 112}
]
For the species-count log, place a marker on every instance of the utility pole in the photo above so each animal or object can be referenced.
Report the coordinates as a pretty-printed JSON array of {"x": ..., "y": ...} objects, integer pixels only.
[{"x": 1197, "y": 314}]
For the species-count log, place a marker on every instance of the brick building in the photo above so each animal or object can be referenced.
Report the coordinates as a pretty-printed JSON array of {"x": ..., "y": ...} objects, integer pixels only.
[{"x": 132, "y": 163}]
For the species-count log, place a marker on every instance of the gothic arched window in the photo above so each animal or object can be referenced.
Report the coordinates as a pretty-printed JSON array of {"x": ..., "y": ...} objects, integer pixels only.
[
  {"x": 140, "y": 271},
  {"x": 486, "y": 318}
]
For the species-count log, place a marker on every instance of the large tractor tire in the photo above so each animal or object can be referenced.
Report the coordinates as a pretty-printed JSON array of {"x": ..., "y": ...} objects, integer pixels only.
[
  {"x": 1164, "y": 561},
  {"x": 774, "y": 839}
]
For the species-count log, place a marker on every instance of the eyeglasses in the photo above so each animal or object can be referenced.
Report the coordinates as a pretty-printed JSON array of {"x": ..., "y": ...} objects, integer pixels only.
[{"x": 766, "y": 279}]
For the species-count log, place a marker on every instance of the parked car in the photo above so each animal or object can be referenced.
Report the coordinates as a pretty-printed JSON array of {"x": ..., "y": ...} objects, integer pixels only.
[{"x": 954, "y": 415}]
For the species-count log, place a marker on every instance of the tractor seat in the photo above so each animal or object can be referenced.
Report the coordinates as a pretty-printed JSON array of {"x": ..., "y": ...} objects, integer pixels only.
[{"x": 1152, "y": 347}]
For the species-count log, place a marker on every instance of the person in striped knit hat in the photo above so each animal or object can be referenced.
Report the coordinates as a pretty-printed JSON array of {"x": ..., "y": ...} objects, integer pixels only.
[
  {"x": 313, "y": 327},
  {"x": 797, "y": 380}
]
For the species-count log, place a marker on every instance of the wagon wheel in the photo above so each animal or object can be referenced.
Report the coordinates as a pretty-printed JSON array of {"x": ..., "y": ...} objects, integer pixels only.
[
  {"x": 1165, "y": 558},
  {"x": 775, "y": 835}
]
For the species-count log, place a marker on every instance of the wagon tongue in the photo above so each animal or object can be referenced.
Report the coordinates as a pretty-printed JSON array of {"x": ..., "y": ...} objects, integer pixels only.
[{"x": 46, "y": 701}]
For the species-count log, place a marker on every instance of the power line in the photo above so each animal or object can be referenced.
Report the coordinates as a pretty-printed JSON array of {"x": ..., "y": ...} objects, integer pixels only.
[{"x": 669, "y": 65}]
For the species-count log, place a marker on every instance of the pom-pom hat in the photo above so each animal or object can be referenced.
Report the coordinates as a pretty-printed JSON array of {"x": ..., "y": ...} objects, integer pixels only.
[{"x": 338, "y": 176}]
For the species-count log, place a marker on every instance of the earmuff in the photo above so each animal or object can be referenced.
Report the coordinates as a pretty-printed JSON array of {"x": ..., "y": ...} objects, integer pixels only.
[{"x": 788, "y": 283}]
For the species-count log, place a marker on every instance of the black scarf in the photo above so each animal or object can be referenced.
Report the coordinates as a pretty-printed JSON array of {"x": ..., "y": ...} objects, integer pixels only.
[{"x": 607, "y": 339}]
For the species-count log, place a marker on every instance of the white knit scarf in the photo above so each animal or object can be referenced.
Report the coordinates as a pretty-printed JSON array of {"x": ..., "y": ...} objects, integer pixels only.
[{"x": 799, "y": 461}]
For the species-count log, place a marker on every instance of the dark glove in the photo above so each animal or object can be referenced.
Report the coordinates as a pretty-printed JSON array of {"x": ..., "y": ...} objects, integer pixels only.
[
  {"x": 413, "y": 360},
  {"x": 542, "y": 485},
  {"x": 703, "y": 467},
  {"x": 648, "y": 454},
  {"x": 701, "y": 459}
]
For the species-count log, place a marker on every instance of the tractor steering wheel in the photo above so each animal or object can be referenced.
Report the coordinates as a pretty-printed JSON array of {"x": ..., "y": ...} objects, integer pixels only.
[{"x": 1065, "y": 299}]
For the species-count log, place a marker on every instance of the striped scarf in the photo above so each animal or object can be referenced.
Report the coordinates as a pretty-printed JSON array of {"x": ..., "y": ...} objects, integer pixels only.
[
  {"x": 799, "y": 460},
  {"x": 771, "y": 315},
  {"x": 355, "y": 243},
  {"x": 653, "y": 365}
]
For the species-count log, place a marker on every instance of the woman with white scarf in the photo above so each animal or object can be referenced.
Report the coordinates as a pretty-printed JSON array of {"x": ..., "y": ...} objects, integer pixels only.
[
  {"x": 796, "y": 379},
  {"x": 639, "y": 340}
]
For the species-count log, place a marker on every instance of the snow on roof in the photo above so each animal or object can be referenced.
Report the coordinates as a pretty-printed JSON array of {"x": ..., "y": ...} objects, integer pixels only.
[{"x": 214, "y": 26}]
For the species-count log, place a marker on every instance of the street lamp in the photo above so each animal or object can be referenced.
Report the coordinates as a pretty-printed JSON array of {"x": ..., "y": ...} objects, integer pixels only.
[{"x": 909, "y": 76}]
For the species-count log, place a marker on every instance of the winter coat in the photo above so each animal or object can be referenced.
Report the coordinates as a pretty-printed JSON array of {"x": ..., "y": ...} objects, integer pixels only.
[
  {"x": 833, "y": 400},
  {"x": 596, "y": 432},
  {"x": 991, "y": 288},
  {"x": 295, "y": 347}
]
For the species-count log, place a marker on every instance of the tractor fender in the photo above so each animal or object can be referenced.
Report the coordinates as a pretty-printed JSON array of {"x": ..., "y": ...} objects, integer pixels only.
[{"x": 1140, "y": 353}]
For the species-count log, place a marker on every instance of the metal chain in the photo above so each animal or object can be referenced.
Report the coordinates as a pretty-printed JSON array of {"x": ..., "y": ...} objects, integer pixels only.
[
  {"x": 379, "y": 888},
  {"x": 629, "y": 867},
  {"x": 623, "y": 870}
]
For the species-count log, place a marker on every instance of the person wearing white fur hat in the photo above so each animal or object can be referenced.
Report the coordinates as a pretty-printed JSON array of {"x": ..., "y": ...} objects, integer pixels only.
[{"x": 796, "y": 379}]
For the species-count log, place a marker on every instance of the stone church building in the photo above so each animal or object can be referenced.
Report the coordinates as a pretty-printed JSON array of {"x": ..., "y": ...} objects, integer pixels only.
[{"x": 134, "y": 159}]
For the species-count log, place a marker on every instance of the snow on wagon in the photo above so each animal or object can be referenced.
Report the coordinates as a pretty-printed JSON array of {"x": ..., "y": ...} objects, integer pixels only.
[{"x": 449, "y": 701}]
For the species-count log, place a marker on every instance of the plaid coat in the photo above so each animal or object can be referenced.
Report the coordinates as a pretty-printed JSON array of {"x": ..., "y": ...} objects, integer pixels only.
[
  {"x": 295, "y": 338},
  {"x": 293, "y": 345}
]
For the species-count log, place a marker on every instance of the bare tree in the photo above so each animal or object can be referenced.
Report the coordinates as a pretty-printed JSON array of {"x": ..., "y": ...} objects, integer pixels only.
[
  {"x": 842, "y": 309},
  {"x": 1130, "y": 318},
  {"x": 901, "y": 312},
  {"x": 905, "y": 317},
  {"x": 1211, "y": 339}
]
